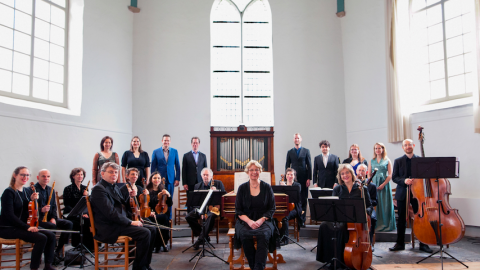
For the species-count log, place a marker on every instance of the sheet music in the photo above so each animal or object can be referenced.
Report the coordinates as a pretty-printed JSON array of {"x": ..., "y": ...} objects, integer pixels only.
[
  {"x": 329, "y": 197},
  {"x": 319, "y": 188},
  {"x": 242, "y": 177}
]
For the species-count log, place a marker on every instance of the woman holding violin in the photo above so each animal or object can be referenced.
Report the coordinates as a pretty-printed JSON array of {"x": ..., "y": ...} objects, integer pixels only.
[
  {"x": 160, "y": 201},
  {"x": 291, "y": 176},
  {"x": 346, "y": 189},
  {"x": 15, "y": 214}
]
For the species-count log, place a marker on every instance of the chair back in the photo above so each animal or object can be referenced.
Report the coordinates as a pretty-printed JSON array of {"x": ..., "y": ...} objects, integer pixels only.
[
  {"x": 90, "y": 215},
  {"x": 182, "y": 198},
  {"x": 60, "y": 204}
]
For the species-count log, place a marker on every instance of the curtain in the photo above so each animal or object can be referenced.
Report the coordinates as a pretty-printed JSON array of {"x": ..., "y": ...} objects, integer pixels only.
[
  {"x": 476, "y": 92},
  {"x": 398, "y": 122}
]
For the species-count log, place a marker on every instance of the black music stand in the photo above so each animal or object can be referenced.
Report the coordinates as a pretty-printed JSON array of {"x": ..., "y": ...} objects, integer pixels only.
[
  {"x": 200, "y": 197},
  {"x": 321, "y": 192},
  {"x": 437, "y": 167},
  {"x": 79, "y": 210},
  {"x": 335, "y": 210},
  {"x": 293, "y": 197}
]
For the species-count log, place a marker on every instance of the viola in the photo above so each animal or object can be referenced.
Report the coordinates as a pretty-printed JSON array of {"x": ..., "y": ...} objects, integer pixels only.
[
  {"x": 358, "y": 250},
  {"x": 426, "y": 222},
  {"x": 161, "y": 207},
  {"x": 33, "y": 215},
  {"x": 134, "y": 204},
  {"x": 145, "y": 210}
]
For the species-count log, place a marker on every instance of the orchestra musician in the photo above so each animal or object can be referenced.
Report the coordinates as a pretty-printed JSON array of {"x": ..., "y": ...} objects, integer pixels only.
[
  {"x": 155, "y": 187},
  {"x": 71, "y": 196},
  {"x": 290, "y": 174},
  {"x": 325, "y": 167},
  {"x": 53, "y": 222},
  {"x": 355, "y": 157},
  {"x": 402, "y": 170},
  {"x": 14, "y": 215},
  {"x": 112, "y": 215},
  {"x": 372, "y": 191},
  {"x": 346, "y": 189},
  {"x": 254, "y": 208},
  {"x": 192, "y": 217}
]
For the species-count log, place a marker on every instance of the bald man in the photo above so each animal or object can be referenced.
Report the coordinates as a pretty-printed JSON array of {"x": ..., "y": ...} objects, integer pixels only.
[{"x": 53, "y": 222}]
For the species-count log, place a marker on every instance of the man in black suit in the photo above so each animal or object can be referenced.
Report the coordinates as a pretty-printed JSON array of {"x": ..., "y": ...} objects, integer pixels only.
[
  {"x": 298, "y": 158},
  {"x": 402, "y": 170},
  {"x": 111, "y": 211},
  {"x": 325, "y": 167},
  {"x": 192, "y": 164},
  {"x": 192, "y": 217}
]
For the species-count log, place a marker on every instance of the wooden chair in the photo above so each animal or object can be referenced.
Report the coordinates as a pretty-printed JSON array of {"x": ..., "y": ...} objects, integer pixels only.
[
  {"x": 19, "y": 248},
  {"x": 296, "y": 232},
  {"x": 124, "y": 241},
  {"x": 60, "y": 205},
  {"x": 217, "y": 229},
  {"x": 182, "y": 207}
]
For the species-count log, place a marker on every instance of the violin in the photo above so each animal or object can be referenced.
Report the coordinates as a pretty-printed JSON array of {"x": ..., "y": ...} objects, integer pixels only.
[
  {"x": 134, "y": 204},
  {"x": 48, "y": 203},
  {"x": 426, "y": 222},
  {"x": 358, "y": 250},
  {"x": 33, "y": 215},
  {"x": 213, "y": 208},
  {"x": 161, "y": 207},
  {"x": 145, "y": 210}
]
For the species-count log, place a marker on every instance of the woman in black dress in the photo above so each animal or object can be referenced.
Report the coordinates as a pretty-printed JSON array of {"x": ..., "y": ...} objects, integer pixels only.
[
  {"x": 155, "y": 187},
  {"x": 71, "y": 196},
  {"x": 346, "y": 189},
  {"x": 291, "y": 176},
  {"x": 136, "y": 158},
  {"x": 254, "y": 208},
  {"x": 14, "y": 215}
]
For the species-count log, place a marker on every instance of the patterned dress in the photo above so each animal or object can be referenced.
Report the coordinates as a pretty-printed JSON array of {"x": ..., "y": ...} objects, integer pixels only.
[{"x": 385, "y": 211}]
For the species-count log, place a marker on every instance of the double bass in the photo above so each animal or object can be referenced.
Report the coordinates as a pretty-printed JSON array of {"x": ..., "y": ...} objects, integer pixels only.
[{"x": 426, "y": 222}]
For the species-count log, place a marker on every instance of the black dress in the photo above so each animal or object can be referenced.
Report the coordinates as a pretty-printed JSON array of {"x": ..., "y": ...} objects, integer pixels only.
[
  {"x": 255, "y": 207},
  {"x": 141, "y": 163},
  {"x": 325, "y": 251},
  {"x": 162, "y": 219},
  {"x": 295, "y": 213},
  {"x": 71, "y": 196}
]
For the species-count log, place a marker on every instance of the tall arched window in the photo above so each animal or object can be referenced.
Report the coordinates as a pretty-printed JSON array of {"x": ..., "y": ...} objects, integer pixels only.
[{"x": 241, "y": 63}]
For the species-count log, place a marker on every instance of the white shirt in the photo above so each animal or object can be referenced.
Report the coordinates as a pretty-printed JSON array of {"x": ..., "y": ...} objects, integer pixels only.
[{"x": 325, "y": 159}]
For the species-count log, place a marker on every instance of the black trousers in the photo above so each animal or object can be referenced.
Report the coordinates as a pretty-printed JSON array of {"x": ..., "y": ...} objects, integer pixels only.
[
  {"x": 197, "y": 229},
  {"x": 304, "y": 199},
  {"x": 257, "y": 259},
  {"x": 190, "y": 190},
  {"x": 44, "y": 243},
  {"x": 162, "y": 219},
  {"x": 290, "y": 216},
  {"x": 145, "y": 238},
  {"x": 62, "y": 224},
  {"x": 372, "y": 230},
  {"x": 402, "y": 221}
]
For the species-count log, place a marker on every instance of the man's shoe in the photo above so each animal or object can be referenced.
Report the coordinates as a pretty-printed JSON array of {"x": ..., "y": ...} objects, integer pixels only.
[
  {"x": 426, "y": 249},
  {"x": 373, "y": 249},
  {"x": 49, "y": 267},
  {"x": 156, "y": 250},
  {"x": 149, "y": 268},
  {"x": 303, "y": 225},
  {"x": 397, "y": 247},
  {"x": 164, "y": 248},
  {"x": 196, "y": 246}
]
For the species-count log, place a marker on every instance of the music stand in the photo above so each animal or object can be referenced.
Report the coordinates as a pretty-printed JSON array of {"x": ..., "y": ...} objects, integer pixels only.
[
  {"x": 79, "y": 210},
  {"x": 437, "y": 167},
  {"x": 321, "y": 192},
  {"x": 335, "y": 210},
  {"x": 292, "y": 192},
  {"x": 206, "y": 197}
]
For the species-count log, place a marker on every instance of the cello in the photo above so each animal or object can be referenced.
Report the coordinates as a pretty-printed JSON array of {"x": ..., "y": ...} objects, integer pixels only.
[
  {"x": 426, "y": 222},
  {"x": 358, "y": 250}
]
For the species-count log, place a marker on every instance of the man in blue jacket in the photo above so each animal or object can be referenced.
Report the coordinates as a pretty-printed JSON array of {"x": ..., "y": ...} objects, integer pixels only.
[{"x": 165, "y": 161}]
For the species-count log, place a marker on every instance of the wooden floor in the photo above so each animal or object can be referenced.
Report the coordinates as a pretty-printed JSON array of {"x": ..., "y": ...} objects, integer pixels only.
[{"x": 428, "y": 266}]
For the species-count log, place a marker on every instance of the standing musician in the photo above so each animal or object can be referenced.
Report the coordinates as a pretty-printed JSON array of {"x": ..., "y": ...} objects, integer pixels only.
[
  {"x": 111, "y": 212},
  {"x": 372, "y": 191},
  {"x": 325, "y": 167},
  {"x": 402, "y": 171},
  {"x": 254, "y": 209},
  {"x": 346, "y": 189},
  {"x": 14, "y": 215},
  {"x": 156, "y": 187},
  {"x": 192, "y": 217},
  {"x": 297, "y": 211},
  {"x": 71, "y": 196},
  {"x": 53, "y": 222},
  {"x": 298, "y": 158}
]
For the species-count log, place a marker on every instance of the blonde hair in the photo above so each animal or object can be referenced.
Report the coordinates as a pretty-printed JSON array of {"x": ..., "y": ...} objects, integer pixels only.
[
  {"x": 342, "y": 167},
  {"x": 384, "y": 153},
  {"x": 253, "y": 162}
]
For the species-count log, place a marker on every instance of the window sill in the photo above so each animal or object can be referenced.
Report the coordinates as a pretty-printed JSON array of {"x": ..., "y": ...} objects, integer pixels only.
[{"x": 440, "y": 105}]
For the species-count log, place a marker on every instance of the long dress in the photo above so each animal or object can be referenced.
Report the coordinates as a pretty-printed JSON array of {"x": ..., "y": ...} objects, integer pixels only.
[
  {"x": 385, "y": 211},
  {"x": 102, "y": 160}
]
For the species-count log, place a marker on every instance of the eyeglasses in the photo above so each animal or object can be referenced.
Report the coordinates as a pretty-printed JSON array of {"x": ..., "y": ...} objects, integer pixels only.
[
  {"x": 254, "y": 170},
  {"x": 112, "y": 172},
  {"x": 24, "y": 175}
]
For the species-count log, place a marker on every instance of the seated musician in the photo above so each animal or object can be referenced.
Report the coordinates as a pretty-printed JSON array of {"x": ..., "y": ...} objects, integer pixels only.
[
  {"x": 192, "y": 217},
  {"x": 254, "y": 208},
  {"x": 291, "y": 176},
  {"x": 372, "y": 191},
  {"x": 111, "y": 213},
  {"x": 346, "y": 189},
  {"x": 53, "y": 222},
  {"x": 131, "y": 176},
  {"x": 71, "y": 196},
  {"x": 14, "y": 216},
  {"x": 155, "y": 187}
]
